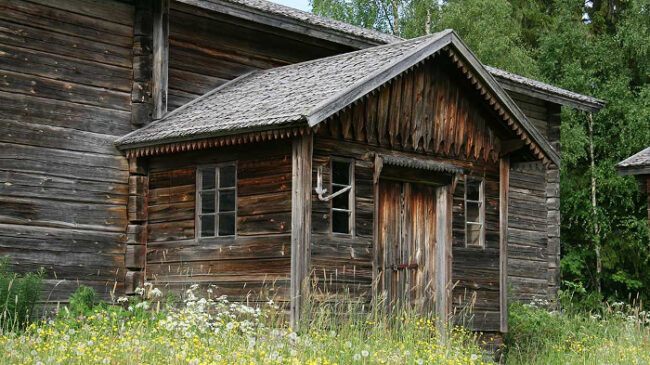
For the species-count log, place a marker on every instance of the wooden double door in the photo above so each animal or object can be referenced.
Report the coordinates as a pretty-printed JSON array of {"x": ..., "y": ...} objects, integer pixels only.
[{"x": 407, "y": 243}]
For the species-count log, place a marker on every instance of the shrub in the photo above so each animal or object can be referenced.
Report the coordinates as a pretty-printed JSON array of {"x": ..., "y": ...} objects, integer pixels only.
[
  {"x": 82, "y": 301},
  {"x": 18, "y": 295}
]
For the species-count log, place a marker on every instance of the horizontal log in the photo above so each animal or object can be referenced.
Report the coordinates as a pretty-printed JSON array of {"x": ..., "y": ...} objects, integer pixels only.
[
  {"x": 40, "y": 185},
  {"x": 220, "y": 248},
  {"x": 114, "y": 11},
  {"x": 38, "y": 110},
  {"x": 60, "y": 163},
  {"x": 52, "y": 213},
  {"x": 64, "y": 68},
  {"x": 170, "y": 231},
  {"x": 13, "y": 131},
  {"x": 26, "y": 36},
  {"x": 34, "y": 239},
  {"x": 66, "y": 22},
  {"x": 64, "y": 91}
]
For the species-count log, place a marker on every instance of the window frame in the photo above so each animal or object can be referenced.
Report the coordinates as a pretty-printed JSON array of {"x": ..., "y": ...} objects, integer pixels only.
[
  {"x": 217, "y": 190},
  {"x": 351, "y": 196},
  {"x": 481, "y": 216}
]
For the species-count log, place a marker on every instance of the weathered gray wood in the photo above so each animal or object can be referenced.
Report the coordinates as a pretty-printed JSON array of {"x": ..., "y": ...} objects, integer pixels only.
[
  {"x": 301, "y": 183},
  {"x": 443, "y": 253},
  {"x": 160, "y": 57},
  {"x": 504, "y": 183}
]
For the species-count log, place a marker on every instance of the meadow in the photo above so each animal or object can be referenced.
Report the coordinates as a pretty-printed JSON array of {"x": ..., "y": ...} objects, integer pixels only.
[{"x": 203, "y": 328}]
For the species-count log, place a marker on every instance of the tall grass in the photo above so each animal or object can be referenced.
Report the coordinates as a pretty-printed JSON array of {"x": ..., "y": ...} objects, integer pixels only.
[
  {"x": 212, "y": 330},
  {"x": 614, "y": 333},
  {"x": 18, "y": 295}
]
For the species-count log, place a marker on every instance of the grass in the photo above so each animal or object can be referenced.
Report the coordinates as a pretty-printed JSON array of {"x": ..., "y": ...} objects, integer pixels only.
[
  {"x": 149, "y": 329},
  {"x": 609, "y": 334},
  {"x": 207, "y": 330}
]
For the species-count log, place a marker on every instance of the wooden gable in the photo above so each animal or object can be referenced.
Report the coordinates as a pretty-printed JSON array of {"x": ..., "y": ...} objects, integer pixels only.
[{"x": 432, "y": 108}]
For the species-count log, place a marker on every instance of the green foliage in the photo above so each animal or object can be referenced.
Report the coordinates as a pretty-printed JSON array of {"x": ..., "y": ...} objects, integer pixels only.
[
  {"x": 584, "y": 332},
  {"x": 82, "y": 301},
  {"x": 18, "y": 295},
  {"x": 492, "y": 33}
]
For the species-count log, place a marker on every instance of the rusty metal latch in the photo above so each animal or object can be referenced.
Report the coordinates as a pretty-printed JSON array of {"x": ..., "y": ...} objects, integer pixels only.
[{"x": 405, "y": 267}]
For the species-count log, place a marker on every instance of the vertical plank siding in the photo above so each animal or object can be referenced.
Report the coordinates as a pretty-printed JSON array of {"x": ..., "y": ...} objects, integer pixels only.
[
  {"x": 65, "y": 93},
  {"x": 254, "y": 265}
]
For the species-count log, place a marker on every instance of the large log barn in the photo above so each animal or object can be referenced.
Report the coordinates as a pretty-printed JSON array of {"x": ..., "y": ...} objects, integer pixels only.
[{"x": 257, "y": 147}]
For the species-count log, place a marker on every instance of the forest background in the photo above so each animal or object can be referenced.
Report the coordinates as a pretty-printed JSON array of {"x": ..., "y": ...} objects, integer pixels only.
[{"x": 594, "y": 47}]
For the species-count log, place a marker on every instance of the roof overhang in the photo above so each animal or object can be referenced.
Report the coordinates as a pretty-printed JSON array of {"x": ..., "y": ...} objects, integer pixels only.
[
  {"x": 637, "y": 164},
  {"x": 490, "y": 89},
  {"x": 301, "y": 22},
  {"x": 447, "y": 41}
]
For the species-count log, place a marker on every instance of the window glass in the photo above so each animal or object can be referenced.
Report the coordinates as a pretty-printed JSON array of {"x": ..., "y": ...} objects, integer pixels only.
[
  {"x": 227, "y": 224},
  {"x": 217, "y": 197},
  {"x": 341, "y": 205},
  {"x": 474, "y": 212},
  {"x": 227, "y": 177},
  {"x": 207, "y": 226},
  {"x": 226, "y": 201},
  {"x": 208, "y": 177}
]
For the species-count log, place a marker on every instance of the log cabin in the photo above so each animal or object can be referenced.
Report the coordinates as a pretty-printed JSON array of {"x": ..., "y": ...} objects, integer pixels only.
[
  {"x": 638, "y": 165},
  {"x": 256, "y": 147}
]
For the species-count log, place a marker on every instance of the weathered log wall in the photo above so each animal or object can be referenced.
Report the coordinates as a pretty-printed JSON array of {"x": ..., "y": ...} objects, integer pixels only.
[
  {"x": 254, "y": 265},
  {"x": 65, "y": 94},
  {"x": 534, "y": 246},
  {"x": 209, "y": 49}
]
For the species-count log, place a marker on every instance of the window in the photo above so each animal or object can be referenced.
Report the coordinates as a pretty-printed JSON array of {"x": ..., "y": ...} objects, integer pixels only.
[
  {"x": 342, "y": 205},
  {"x": 474, "y": 212},
  {"x": 216, "y": 201}
]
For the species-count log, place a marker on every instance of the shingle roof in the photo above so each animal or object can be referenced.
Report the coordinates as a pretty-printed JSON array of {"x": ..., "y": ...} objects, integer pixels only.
[
  {"x": 308, "y": 93},
  {"x": 272, "y": 97},
  {"x": 593, "y": 103},
  {"x": 636, "y": 164},
  {"x": 295, "y": 20}
]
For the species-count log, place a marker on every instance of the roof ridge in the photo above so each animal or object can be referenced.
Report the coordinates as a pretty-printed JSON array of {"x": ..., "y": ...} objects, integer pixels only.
[{"x": 432, "y": 39}]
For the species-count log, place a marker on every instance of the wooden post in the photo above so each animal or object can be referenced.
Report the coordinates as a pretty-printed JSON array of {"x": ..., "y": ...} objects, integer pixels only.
[
  {"x": 504, "y": 183},
  {"x": 160, "y": 57},
  {"x": 301, "y": 185},
  {"x": 136, "y": 248},
  {"x": 141, "y": 104},
  {"x": 443, "y": 252}
]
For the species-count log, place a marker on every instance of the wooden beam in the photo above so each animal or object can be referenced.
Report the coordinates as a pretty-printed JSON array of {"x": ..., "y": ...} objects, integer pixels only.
[
  {"x": 443, "y": 253},
  {"x": 160, "y": 57},
  {"x": 510, "y": 146},
  {"x": 301, "y": 185},
  {"x": 504, "y": 183}
]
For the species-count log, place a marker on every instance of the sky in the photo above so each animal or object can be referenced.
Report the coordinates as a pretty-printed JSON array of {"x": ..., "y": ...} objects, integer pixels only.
[{"x": 298, "y": 4}]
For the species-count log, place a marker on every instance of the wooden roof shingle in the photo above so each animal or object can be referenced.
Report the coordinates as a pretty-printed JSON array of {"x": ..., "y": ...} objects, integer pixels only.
[
  {"x": 638, "y": 164},
  {"x": 309, "y": 92}
]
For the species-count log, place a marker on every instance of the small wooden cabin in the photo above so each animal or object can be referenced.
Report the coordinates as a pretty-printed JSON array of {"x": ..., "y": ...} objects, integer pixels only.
[
  {"x": 445, "y": 170},
  {"x": 638, "y": 165}
]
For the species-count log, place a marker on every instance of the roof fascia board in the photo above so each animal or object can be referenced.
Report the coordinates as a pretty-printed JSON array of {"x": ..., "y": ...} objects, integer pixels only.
[
  {"x": 373, "y": 81},
  {"x": 339, "y": 101},
  {"x": 283, "y": 22},
  {"x": 643, "y": 170},
  {"x": 503, "y": 96},
  {"x": 547, "y": 96}
]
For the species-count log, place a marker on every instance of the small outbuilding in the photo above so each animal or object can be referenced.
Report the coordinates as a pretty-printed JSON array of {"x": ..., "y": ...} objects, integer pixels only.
[{"x": 638, "y": 165}]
